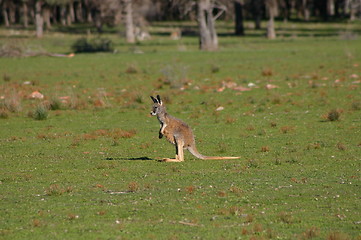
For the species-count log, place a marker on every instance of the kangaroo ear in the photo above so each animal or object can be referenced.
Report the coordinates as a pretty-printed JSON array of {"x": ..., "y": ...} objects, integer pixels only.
[
  {"x": 154, "y": 100},
  {"x": 159, "y": 100}
]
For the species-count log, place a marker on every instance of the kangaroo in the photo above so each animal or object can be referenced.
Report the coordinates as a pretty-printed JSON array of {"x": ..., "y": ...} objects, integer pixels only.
[{"x": 178, "y": 133}]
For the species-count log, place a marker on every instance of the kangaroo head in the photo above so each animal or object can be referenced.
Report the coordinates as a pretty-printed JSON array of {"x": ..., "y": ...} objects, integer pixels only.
[{"x": 158, "y": 106}]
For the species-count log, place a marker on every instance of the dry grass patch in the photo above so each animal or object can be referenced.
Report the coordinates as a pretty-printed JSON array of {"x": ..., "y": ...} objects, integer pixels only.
[
  {"x": 56, "y": 190},
  {"x": 133, "y": 187},
  {"x": 287, "y": 129},
  {"x": 310, "y": 233}
]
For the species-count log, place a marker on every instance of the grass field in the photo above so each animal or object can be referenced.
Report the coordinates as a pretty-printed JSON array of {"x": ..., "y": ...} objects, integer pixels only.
[{"x": 81, "y": 163}]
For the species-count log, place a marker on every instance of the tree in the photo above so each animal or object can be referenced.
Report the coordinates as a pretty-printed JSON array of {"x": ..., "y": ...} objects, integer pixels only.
[
  {"x": 4, "y": 10},
  {"x": 129, "y": 26},
  {"x": 12, "y": 7},
  {"x": 79, "y": 12},
  {"x": 256, "y": 9},
  {"x": 238, "y": 15},
  {"x": 331, "y": 7},
  {"x": 272, "y": 12},
  {"x": 46, "y": 16},
  {"x": 39, "y": 21},
  {"x": 135, "y": 14},
  {"x": 71, "y": 12},
  {"x": 25, "y": 14},
  {"x": 305, "y": 7},
  {"x": 354, "y": 7},
  {"x": 208, "y": 39}
]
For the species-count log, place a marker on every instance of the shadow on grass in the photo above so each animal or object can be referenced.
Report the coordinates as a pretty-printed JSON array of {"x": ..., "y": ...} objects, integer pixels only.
[{"x": 130, "y": 159}]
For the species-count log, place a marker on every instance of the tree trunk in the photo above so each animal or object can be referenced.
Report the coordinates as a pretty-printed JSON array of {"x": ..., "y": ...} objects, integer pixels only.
[
  {"x": 5, "y": 14},
  {"x": 271, "y": 32},
  {"x": 71, "y": 15},
  {"x": 68, "y": 15},
  {"x": 238, "y": 13},
  {"x": 55, "y": 14},
  {"x": 79, "y": 12},
  {"x": 39, "y": 21},
  {"x": 46, "y": 16},
  {"x": 320, "y": 8},
  {"x": 129, "y": 26},
  {"x": 12, "y": 13},
  {"x": 345, "y": 7},
  {"x": 25, "y": 15},
  {"x": 272, "y": 11},
  {"x": 208, "y": 39},
  {"x": 32, "y": 15},
  {"x": 306, "y": 10},
  {"x": 98, "y": 20},
  {"x": 286, "y": 7},
  {"x": 89, "y": 17},
  {"x": 331, "y": 7},
  {"x": 353, "y": 6},
  {"x": 257, "y": 6},
  {"x": 63, "y": 15}
]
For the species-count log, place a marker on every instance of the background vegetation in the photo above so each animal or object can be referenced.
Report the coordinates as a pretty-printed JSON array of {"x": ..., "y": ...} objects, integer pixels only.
[{"x": 136, "y": 15}]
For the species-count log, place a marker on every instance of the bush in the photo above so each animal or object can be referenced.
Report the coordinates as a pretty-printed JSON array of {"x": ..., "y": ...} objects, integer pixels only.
[
  {"x": 40, "y": 113},
  {"x": 3, "y": 114},
  {"x": 333, "y": 115},
  {"x": 55, "y": 104},
  {"x": 85, "y": 45}
]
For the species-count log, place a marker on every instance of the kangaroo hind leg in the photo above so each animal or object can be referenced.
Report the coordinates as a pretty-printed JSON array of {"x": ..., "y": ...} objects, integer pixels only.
[{"x": 179, "y": 157}]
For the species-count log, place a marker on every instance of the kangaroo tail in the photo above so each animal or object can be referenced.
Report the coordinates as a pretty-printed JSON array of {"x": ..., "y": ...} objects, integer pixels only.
[
  {"x": 193, "y": 150},
  {"x": 219, "y": 158}
]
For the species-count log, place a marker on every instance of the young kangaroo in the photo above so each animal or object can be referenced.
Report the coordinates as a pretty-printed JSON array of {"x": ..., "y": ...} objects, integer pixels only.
[{"x": 178, "y": 133}]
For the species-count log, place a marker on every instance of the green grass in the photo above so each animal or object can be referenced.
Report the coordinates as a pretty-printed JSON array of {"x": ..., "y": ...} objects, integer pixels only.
[{"x": 89, "y": 170}]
